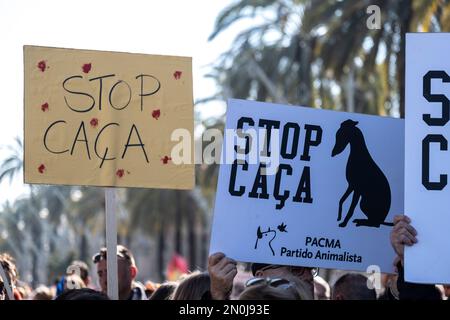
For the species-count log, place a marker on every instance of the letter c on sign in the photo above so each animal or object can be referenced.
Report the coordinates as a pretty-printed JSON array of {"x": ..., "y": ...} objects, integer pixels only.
[{"x": 432, "y": 138}]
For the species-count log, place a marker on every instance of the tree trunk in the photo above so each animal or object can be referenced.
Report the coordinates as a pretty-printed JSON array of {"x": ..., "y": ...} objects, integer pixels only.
[
  {"x": 161, "y": 248},
  {"x": 35, "y": 271},
  {"x": 178, "y": 222},
  {"x": 84, "y": 250},
  {"x": 404, "y": 27},
  {"x": 204, "y": 242},
  {"x": 192, "y": 239},
  {"x": 304, "y": 58}
]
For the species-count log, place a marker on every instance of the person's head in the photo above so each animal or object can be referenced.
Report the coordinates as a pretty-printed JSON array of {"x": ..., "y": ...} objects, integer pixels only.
[
  {"x": 9, "y": 267},
  {"x": 305, "y": 274},
  {"x": 353, "y": 286},
  {"x": 83, "y": 270},
  {"x": 447, "y": 290},
  {"x": 164, "y": 291},
  {"x": 322, "y": 289},
  {"x": 126, "y": 270},
  {"x": 23, "y": 289},
  {"x": 271, "y": 289},
  {"x": 195, "y": 286},
  {"x": 82, "y": 294},
  {"x": 42, "y": 293}
]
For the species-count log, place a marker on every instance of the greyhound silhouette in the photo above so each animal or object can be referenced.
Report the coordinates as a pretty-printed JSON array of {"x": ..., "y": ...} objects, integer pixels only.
[
  {"x": 260, "y": 235},
  {"x": 365, "y": 179}
]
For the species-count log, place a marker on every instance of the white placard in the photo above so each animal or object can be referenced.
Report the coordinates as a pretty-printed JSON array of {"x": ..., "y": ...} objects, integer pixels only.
[
  {"x": 427, "y": 160},
  {"x": 291, "y": 217}
]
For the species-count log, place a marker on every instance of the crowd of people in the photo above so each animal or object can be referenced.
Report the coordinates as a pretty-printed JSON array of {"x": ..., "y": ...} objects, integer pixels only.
[{"x": 220, "y": 281}]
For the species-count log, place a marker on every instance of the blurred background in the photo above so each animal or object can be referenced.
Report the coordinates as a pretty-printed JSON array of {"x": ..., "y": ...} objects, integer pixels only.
[{"x": 322, "y": 54}]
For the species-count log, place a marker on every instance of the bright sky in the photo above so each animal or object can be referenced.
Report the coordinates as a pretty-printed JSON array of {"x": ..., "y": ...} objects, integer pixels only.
[{"x": 166, "y": 27}]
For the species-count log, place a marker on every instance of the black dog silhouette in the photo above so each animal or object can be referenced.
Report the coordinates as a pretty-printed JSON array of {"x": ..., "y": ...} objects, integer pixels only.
[{"x": 365, "y": 179}]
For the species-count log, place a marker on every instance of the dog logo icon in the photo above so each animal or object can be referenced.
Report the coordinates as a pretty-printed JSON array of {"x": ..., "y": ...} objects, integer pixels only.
[{"x": 270, "y": 235}]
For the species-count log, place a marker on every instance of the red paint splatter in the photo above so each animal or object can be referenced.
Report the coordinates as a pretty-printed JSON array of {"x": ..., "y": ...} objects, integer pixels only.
[
  {"x": 42, "y": 65},
  {"x": 41, "y": 168},
  {"x": 87, "y": 67},
  {"x": 177, "y": 75},
  {"x": 166, "y": 159},
  {"x": 120, "y": 173},
  {"x": 94, "y": 122},
  {"x": 156, "y": 114},
  {"x": 44, "y": 107}
]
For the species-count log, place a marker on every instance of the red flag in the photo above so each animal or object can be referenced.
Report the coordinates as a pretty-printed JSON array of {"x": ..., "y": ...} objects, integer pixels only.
[{"x": 176, "y": 267}]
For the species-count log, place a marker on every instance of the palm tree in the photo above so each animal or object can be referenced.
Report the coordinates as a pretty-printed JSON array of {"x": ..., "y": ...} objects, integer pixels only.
[
  {"x": 268, "y": 62},
  {"x": 85, "y": 211},
  {"x": 346, "y": 43},
  {"x": 308, "y": 52},
  {"x": 159, "y": 213},
  {"x": 13, "y": 164},
  {"x": 40, "y": 215}
]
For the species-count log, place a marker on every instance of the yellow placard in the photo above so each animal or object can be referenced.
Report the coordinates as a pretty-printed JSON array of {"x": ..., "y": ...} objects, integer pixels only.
[{"x": 106, "y": 118}]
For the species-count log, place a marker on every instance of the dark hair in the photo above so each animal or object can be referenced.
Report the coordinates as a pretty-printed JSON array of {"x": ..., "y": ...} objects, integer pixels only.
[
  {"x": 122, "y": 252},
  {"x": 164, "y": 291},
  {"x": 353, "y": 286},
  {"x": 9, "y": 266},
  {"x": 42, "y": 293},
  {"x": 257, "y": 266},
  {"x": 82, "y": 294},
  {"x": 195, "y": 286}
]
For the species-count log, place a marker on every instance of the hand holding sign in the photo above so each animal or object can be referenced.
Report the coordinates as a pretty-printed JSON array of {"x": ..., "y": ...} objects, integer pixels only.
[
  {"x": 402, "y": 234},
  {"x": 222, "y": 271}
]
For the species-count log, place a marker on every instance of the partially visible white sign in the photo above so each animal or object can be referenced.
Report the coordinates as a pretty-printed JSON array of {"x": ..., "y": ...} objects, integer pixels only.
[{"x": 427, "y": 159}]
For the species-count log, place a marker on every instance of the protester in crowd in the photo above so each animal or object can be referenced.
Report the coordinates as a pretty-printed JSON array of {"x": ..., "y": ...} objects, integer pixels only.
[
  {"x": 72, "y": 281},
  {"x": 195, "y": 286},
  {"x": 129, "y": 288},
  {"x": 403, "y": 233},
  {"x": 304, "y": 274},
  {"x": 447, "y": 290},
  {"x": 353, "y": 286},
  {"x": 273, "y": 289},
  {"x": 23, "y": 289},
  {"x": 322, "y": 289},
  {"x": 164, "y": 291},
  {"x": 9, "y": 267},
  {"x": 42, "y": 293},
  {"x": 241, "y": 278},
  {"x": 83, "y": 271},
  {"x": 223, "y": 270},
  {"x": 238, "y": 288},
  {"x": 82, "y": 294},
  {"x": 389, "y": 285}
]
